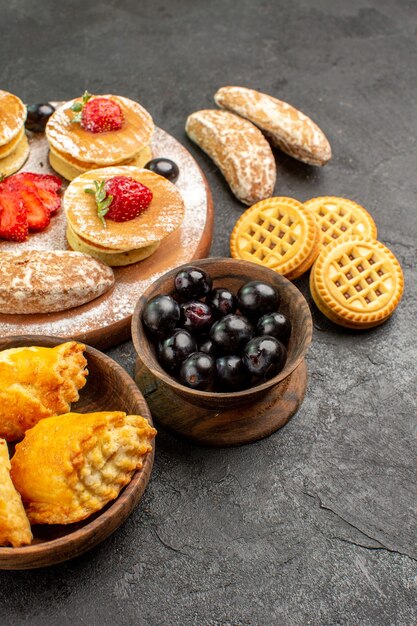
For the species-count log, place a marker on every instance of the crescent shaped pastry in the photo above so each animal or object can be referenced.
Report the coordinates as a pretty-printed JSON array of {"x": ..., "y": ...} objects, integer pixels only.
[
  {"x": 70, "y": 466},
  {"x": 37, "y": 382},
  {"x": 286, "y": 127},
  {"x": 14, "y": 524},
  {"x": 239, "y": 150}
]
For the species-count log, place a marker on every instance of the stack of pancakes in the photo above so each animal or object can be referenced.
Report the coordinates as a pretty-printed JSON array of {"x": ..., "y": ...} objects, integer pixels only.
[
  {"x": 14, "y": 146},
  {"x": 121, "y": 243},
  {"x": 74, "y": 151}
]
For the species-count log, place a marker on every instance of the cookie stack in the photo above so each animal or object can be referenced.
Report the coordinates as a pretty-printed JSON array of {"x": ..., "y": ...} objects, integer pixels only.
[
  {"x": 14, "y": 146},
  {"x": 355, "y": 280}
]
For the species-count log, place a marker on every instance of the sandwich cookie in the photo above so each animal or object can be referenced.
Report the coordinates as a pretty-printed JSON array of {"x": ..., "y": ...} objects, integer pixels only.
[
  {"x": 356, "y": 282},
  {"x": 14, "y": 146},
  {"x": 98, "y": 131},
  {"x": 279, "y": 233},
  {"x": 124, "y": 214},
  {"x": 338, "y": 217}
]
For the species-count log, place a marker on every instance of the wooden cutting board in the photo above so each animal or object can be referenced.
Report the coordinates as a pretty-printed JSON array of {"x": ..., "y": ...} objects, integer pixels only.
[{"x": 105, "y": 322}]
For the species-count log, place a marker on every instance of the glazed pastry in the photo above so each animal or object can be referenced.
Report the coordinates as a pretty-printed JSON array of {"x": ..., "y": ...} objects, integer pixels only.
[
  {"x": 286, "y": 127},
  {"x": 70, "y": 466},
  {"x": 37, "y": 382},
  {"x": 357, "y": 283},
  {"x": 14, "y": 146},
  {"x": 75, "y": 150},
  {"x": 279, "y": 233},
  {"x": 124, "y": 242},
  {"x": 338, "y": 217},
  {"x": 38, "y": 281},
  {"x": 239, "y": 150},
  {"x": 14, "y": 524}
]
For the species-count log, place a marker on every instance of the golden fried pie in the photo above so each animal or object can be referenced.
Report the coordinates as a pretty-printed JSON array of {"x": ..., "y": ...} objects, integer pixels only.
[
  {"x": 37, "y": 382},
  {"x": 14, "y": 524},
  {"x": 69, "y": 466}
]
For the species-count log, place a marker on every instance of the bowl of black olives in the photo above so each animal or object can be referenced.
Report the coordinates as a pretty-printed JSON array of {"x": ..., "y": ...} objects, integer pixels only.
[{"x": 221, "y": 332}]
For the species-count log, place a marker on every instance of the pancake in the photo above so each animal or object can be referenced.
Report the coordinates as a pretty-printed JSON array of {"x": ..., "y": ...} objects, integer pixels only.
[
  {"x": 101, "y": 149},
  {"x": 14, "y": 161},
  {"x": 111, "y": 258},
  {"x": 12, "y": 117},
  {"x": 10, "y": 147},
  {"x": 163, "y": 216},
  {"x": 70, "y": 168}
]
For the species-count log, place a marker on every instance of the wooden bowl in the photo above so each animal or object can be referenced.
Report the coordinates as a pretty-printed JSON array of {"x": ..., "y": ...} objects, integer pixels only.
[
  {"x": 230, "y": 273},
  {"x": 108, "y": 387}
]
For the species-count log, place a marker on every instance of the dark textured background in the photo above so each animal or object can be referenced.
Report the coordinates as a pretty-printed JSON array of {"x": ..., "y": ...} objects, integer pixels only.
[{"x": 313, "y": 525}]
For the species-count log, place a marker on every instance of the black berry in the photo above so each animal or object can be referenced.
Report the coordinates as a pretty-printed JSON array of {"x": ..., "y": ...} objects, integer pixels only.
[
  {"x": 257, "y": 298},
  {"x": 192, "y": 283},
  {"x": 264, "y": 357},
  {"x": 198, "y": 371},
  {"x": 275, "y": 324},
  {"x": 161, "y": 314},
  {"x": 231, "y": 333},
  {"x": 164, "y": 167},
  {"x": 37, "y": 116}
]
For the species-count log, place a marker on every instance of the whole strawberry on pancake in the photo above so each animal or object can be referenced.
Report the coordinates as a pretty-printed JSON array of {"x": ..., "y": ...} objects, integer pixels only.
[
  {"x": 121, "y": 214},
  {"x": 98, "y": 131}
]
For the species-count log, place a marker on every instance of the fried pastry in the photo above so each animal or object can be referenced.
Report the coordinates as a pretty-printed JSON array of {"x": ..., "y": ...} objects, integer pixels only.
[
  {"x": 70, "y": 466},
  {"x": 357, "y": 283},
  {"x": 36, "y": 382},
  {"x": 14, "y": 524},
  {"x": 279, "y": 233},
  {"x": 286, "y": 127}
]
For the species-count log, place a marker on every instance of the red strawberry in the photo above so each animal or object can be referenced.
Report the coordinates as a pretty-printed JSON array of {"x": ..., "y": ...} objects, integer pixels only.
[
  {"x": 98, "y": 115},
  {"x": 47, "y": 181},
  {"x": 38, "y": 215},
  {"x": 13, "y": 219},
  {"x": 44, "y": 185},
  {"x": 120, "y": 198}
]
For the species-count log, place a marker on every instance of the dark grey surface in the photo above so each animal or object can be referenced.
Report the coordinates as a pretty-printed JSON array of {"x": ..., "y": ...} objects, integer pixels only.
[{"x": 313, "y": 525}]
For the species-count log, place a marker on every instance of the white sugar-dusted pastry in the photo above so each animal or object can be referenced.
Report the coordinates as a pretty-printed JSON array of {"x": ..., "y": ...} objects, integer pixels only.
[
  {"x": 36, "y": 382},
  {"x": 14, "y": 524},
  {"x": 70, "y": 466},
  {"x": 286, "y": 127},
  {"x": 239, "y": 150},
  {"x": 44, "y": 281}
]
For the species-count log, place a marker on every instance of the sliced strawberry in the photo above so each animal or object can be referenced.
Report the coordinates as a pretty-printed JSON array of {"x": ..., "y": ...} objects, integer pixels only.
[
  {"x": 38, "y": 216},
  {"x": 50, "y": 199},
  {"x": 13, "y": 218},
  {"x": 46, "y": 181},
  {"x": 44, "y": 185}
]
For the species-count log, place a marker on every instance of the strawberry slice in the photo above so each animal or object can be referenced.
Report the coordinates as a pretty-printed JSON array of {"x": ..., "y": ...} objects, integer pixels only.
[
  {"x": 38, "y": 215},
  {"x": 50, "y": 199},
  {"x": 47, "y": 181},
  {"x": 13, "y": 218},
  {"x": 42, "y": 185}
]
